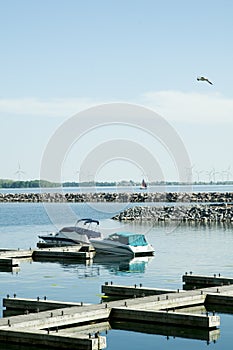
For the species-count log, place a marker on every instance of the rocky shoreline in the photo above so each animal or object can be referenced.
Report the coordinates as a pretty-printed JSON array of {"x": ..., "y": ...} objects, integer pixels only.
[
  {"x": 122, "y": 197},
  {"x": 189, "y": 207},
  {"x": 196, "y": 213}
]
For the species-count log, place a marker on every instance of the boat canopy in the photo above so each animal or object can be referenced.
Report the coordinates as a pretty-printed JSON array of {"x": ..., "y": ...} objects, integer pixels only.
[
  {"x": 129, "y": 238},
  {"x": 81, "y": 231}
]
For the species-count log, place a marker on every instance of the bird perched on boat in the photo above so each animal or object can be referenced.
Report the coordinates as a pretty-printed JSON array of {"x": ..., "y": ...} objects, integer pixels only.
[{"x": 204, "y": 79}]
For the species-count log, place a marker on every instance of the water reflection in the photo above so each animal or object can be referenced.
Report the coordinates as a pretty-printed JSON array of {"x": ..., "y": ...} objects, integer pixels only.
[
  {"x": 137, "y": 224},
  {"x": 11, "y": 269},
  {"x": 116, "y": 265},
  {"x": 168, "y": 331},
  {"x": 122, "y": 265}
]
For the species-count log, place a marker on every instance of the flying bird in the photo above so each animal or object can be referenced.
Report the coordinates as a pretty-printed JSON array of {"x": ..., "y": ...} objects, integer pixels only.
[{"x": 204, "y": 79}]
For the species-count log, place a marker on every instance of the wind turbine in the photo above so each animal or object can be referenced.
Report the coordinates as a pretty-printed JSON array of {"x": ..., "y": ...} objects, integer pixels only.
[
  {"x": 209, "y": 174},
  {"x": 227, "y": 172},
  {"x": 189, "y": 173},
  {"x": 214, "y": 172},
  {"x": 19, "y": 172},
  {"x": 77, "y": 173},
  {"x": 198, "y": 172}
]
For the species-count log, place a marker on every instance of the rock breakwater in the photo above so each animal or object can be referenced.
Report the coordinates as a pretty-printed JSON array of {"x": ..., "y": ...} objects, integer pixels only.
[
  {"x": 137, "y": 197},
  {"x": 196, "y": 213}
]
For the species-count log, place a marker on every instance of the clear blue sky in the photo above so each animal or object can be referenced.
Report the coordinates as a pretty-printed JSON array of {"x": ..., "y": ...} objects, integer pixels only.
[{"x": 59, "y": 57}]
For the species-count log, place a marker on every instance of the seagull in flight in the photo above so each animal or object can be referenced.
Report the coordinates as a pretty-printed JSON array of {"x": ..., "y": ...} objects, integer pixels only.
[{"x": 204, "y": 79}]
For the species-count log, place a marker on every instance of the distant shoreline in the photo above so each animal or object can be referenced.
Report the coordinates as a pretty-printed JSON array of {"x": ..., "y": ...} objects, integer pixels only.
[{"x": 17, "y": 184}]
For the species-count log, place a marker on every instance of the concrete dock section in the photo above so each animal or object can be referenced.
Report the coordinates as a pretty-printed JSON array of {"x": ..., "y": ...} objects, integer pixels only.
[
  {"x": 12, "y": 258},
  {"x": 43, "y": 328},
  {"x": 199, "y": 281},
  {"x": 79, "y": 252},
  {"x": 53, "y": 340},
  {"x": 152, "y": 310},
  {"x": 36, "y": 305},
  {"x": 132, "y": 291},
  {"x": 164, "y": 317}
]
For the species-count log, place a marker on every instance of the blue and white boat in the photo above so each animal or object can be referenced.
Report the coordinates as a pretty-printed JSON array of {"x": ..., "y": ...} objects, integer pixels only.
[{"x": 123, "y": 243}]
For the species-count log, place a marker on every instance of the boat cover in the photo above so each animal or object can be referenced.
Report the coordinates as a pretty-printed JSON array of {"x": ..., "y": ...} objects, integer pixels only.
[{"x": 129, "y": 238}]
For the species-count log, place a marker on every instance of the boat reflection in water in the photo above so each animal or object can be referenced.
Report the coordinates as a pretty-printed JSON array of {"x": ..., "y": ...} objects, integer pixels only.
[
  {"x": 119, "y": 265},
  {"x": 116, "y": 265}
]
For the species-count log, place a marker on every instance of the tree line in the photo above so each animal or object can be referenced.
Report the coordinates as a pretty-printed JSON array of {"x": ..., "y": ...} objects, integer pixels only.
[{"x": 5, "y": 183}]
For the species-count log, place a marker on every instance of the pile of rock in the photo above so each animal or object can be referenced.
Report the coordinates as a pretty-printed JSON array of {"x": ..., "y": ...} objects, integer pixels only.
[
  {"x": 197, "y": 213},
  {"x": 123, "y": 197}
]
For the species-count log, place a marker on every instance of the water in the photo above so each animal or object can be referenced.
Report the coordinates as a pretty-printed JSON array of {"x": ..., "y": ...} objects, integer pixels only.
[
  {"x": 128, "y": 189},
  {"x": 203, "y": 249}
]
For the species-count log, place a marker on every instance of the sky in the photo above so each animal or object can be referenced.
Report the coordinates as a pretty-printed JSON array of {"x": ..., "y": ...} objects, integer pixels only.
[{"x": 59, "y": 58}]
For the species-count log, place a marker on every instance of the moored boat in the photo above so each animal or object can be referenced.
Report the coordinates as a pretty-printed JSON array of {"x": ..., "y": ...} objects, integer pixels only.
[
  {"x": 71, "y": 235},
  {"x": 123, "y": 243}
]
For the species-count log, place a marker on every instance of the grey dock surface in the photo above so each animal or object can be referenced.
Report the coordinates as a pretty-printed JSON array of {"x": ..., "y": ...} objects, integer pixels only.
[
  {"x": 83, "y": 252},
  {"x": 36, "y": 305},
  {"x": 160, "y": 311},
  {"x": 157, "y": 310},
  {"x": 200, "y": 281},
  {"x": 132, "y": 291},
  {"x": 12, "y": 258}
]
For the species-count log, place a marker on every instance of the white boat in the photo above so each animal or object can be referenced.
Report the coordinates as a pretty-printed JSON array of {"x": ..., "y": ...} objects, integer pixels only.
[
  {"x": 123, "y": 243},
  {"x": 72, "y": 235}
]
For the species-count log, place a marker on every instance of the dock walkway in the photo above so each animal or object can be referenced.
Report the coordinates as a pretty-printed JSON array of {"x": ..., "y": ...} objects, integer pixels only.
[
  {"x": 46, "y": 322},
  {"x": 12, "y": 258}
]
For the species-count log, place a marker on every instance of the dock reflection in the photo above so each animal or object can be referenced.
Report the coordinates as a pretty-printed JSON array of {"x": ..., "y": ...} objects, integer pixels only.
[
  {"x": 103, "y": 328},
  {"x": 168, "y": 331},
  {"x": 11, "y": 269},
  {"x": 117, "y": 265}
]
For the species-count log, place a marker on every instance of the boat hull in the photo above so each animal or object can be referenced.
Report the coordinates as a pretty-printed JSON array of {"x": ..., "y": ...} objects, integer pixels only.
[{"x": 106, "y": 246}]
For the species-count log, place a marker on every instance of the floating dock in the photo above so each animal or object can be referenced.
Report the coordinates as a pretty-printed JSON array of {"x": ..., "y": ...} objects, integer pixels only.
[
  {"x": 132, "y": 291},
  {"x": 70, "y": 325},
  {"x": 35, "y": 305},
  {"x": 200, "y": 281},
  {"x": 79, "y": 252},
  {"x": 156, "y": 311},
  {"x": 12, "y": 258}
]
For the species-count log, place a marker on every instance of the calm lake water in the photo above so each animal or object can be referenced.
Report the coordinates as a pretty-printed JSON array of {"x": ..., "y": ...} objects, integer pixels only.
[
  {"x": 158, "y": 188},
  {"x": 203, "y": 249}
]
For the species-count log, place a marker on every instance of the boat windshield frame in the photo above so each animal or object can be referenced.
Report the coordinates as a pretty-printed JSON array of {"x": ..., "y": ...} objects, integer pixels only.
[{"x": 87, "y": 221}]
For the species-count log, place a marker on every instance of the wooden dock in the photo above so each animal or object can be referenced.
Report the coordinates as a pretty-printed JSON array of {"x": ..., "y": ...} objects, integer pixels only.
[
  {"x": 200, "y": 281},
  {"x": 131, "y": 292},
  {"x": 36, "y": 305},
  {"x": 55, "y": 322},
  {"x": 82, "y": 252},
  {"x": 158, "y": 310},
  {"x": 12, "y": 258},
  {"x": 70, "y": 325}
]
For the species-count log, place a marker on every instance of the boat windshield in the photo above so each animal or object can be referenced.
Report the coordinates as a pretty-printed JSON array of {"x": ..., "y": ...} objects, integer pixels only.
[{"x": 129, "y": 238}]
